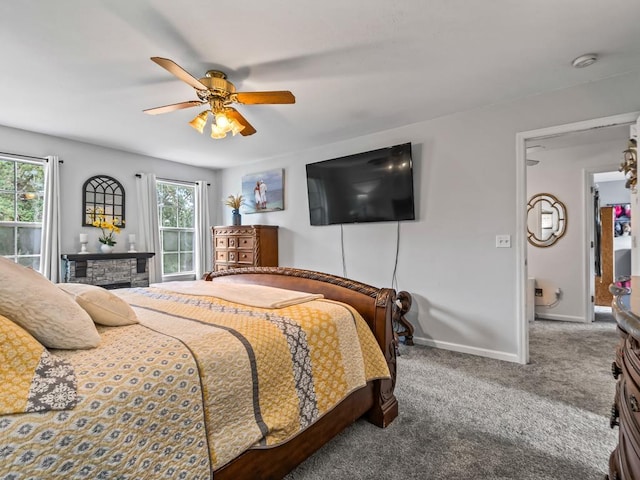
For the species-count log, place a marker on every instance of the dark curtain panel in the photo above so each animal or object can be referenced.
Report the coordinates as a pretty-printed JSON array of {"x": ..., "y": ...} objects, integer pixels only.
[{"x": 598, "y": 231}]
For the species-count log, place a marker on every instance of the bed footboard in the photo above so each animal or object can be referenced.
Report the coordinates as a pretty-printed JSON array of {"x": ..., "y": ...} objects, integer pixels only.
[{"x": 376, "y": 305}]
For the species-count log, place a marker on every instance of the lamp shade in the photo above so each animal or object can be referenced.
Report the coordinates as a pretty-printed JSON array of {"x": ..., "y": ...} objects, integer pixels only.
[
  {"x": 217, "y": 132},
  {"x": 200, "y": 121},
  {"x": 236, "y": 126},
  {"x": 222, "y": 122}
]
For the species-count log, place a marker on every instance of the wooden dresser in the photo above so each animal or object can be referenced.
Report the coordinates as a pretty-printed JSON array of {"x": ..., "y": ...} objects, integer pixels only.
[
  {"x": 624, "y": 462},
  {"x": 244, "y": 246}
]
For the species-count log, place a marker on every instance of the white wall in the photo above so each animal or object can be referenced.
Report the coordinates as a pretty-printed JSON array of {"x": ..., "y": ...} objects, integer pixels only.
[
  {"x": 464, "y": 289},
  {"x": 81, "y": 161},
  {"x": 564, "y": 265}
]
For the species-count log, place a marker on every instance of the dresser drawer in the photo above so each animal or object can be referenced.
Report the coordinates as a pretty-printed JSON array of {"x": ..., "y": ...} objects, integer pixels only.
[
  {"x": 629, "y": 409},
  {"x": 222, "y": 256},
  {"x": 630, "y": 363},
  {"x": 628, "y": 459},
  {"x": 246, "y": 242},
  {"x": 226, "y": 256},
  {"x": 236, "y": 242},
  {"x": 222, "y": 242},
  {"x": 245, "y": 257}
]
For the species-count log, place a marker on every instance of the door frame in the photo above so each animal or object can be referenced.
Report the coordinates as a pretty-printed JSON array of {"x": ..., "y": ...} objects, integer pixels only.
[
  {"x": 590, "y": 234},
  {"x": 521, "y": 211}
]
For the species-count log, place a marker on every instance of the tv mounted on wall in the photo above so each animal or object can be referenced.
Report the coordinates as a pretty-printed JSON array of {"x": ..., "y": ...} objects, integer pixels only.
[{"x": 375, "y": 186}]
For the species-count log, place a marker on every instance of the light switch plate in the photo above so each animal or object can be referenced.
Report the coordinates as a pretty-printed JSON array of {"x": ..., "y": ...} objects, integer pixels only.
[{"x": 503, "y": 241}]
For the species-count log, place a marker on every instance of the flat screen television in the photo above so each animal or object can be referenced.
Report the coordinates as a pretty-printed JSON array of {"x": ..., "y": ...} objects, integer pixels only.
[{"x": 375, "y": 186}]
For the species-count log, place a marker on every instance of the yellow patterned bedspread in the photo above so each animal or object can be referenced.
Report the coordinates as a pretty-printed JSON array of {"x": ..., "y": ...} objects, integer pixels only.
[
  {"x": 266, "y": 374},
  {"x": 139, "y": 415}
]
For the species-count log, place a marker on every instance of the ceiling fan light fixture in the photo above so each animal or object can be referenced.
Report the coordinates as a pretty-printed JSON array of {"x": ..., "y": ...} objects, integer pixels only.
[
  {"x": 222, "y": 121},
  {"x": 217, "y": 132},
  {"x": 200, "y": 121},
  {"x": 236, "y": 127}
]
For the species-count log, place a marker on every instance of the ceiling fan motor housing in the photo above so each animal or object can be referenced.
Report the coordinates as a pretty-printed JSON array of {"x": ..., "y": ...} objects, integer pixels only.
[{"x": 217, "y": 84}]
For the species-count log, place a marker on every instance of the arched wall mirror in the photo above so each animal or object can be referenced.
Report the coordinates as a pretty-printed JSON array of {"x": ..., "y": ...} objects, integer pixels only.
[
  {"x": 546, "y": 220},
  {"x": 103, "y": 195}
]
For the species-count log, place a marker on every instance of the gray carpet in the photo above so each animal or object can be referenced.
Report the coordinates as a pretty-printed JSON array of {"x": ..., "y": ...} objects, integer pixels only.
[{"x": 467, "y": 417}]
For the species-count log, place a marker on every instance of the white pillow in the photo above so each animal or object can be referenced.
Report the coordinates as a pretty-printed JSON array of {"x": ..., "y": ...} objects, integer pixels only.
[
  {"x": 102, "y": 305},
  {"x": 43, "y": 310}
]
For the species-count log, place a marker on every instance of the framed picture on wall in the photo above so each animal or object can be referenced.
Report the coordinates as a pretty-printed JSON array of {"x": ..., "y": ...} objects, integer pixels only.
[{"x": 263, "y": 191}]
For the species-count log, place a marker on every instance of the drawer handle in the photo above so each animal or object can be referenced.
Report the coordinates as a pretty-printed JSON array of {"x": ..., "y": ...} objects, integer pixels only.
[
  {"x": 615, "y": 370},
  {"x": 613, "y": 421},
  {"x": 633, "y": 403},
  {"x": 244, "y": 256}
]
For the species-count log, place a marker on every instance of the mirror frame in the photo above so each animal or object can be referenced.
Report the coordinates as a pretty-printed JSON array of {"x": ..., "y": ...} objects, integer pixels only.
[
  {"x": 558, "y": 232},
  {"x": 106, "y": 194}
]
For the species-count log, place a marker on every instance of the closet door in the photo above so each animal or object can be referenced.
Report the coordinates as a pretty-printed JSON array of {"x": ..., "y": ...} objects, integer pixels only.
[{"x": 603, "y": 296}]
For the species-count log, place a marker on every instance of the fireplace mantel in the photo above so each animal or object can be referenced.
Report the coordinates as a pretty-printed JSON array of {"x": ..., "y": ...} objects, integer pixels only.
[{"x": 108, "y": 270}]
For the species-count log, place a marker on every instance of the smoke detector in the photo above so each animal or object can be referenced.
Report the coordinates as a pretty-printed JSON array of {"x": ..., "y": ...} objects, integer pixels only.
[{"x": 585, "y": 60}]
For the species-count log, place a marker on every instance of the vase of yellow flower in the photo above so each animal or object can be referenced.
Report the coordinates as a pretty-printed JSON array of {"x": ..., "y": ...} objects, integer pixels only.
[
  {"x": 104, "y": 248},
  {"x": 235, "y": 202},
  {"x": 108, "y": 228}
]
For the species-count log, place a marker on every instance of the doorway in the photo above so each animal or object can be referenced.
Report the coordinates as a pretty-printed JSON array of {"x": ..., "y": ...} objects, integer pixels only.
[
  {"x": 556, "y": 134},
  {"x": 611, "y": 260}
]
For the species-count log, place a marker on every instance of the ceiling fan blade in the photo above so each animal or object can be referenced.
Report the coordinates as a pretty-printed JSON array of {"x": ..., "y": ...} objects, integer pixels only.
[
  {"x": 175, "y": 69},
  {"x": 173, "y": 107},
  {"x": 248, "y": 128},
  {"x": 253, "y": 98}
]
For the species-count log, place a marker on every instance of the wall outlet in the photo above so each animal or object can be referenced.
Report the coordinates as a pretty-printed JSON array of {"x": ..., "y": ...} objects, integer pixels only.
[
  {"x": 503, "y": 241},
  {"x": 538, "y": 292}
]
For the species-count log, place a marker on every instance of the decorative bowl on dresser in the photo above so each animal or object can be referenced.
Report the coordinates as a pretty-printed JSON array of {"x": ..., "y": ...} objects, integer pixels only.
[
  {"x": 624, "y": 462},
  {"x": 244, "y": 246}
]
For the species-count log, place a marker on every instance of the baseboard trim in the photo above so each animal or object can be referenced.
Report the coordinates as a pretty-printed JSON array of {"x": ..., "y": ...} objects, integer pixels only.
[
  {"x": 562, "y": 318},
  {"x": 456, "y": 347}
]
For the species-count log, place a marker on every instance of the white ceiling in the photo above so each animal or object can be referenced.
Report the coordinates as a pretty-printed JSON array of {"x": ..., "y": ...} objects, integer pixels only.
[{"x": 80, "y": 69}]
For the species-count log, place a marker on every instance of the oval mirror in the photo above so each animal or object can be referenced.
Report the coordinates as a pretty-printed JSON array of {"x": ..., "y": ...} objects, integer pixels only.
[{"x": 546, "y": 220}]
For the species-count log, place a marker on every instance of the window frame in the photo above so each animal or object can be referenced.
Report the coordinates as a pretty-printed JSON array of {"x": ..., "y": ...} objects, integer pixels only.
[
  {"x": 180, "y": 274},
  {"x": 16, "y": 224}
]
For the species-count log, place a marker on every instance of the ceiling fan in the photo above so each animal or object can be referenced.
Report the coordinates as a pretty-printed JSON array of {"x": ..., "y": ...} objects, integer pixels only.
[{"x": 218, "y": 93}]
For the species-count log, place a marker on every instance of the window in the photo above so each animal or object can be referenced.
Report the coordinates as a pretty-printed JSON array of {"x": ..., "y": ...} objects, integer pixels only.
[
  {"x": 176, "y": 218},
  {"x": 21, "y": 208}
]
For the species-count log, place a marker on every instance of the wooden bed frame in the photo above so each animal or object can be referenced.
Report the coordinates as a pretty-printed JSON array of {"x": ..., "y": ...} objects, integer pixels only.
[{"x": 376, "y": 401}]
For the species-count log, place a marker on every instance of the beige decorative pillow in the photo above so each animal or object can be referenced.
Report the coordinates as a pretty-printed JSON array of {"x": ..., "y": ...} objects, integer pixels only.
[
  {"x": 102, "y": 305},
  {"x": 32, "y": 379},
  {"x": 42, "y": 309}
]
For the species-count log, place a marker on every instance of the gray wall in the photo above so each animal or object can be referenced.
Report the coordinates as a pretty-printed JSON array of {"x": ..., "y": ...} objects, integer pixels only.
[
  {"x": 464, "y": 288},
  {"x": 613, "y": 192}
]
